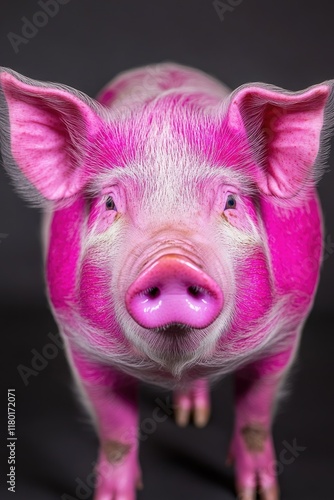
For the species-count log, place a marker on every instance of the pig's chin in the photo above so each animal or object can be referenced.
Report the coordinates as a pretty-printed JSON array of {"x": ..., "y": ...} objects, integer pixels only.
[{"x": 174, "y": 347}]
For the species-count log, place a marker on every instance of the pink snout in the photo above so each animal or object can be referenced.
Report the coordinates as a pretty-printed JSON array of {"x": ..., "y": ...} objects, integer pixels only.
[{"x": 174, "y": 290}]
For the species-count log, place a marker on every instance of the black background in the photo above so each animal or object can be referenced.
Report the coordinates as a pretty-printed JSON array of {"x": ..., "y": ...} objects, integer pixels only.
[{"x": 287, "y": 43}]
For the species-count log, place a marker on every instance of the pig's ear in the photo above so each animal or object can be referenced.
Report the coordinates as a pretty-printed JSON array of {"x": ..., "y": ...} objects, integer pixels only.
[
  {"x": 286, "y": 132},
  {"x": 46, "y": 130}
]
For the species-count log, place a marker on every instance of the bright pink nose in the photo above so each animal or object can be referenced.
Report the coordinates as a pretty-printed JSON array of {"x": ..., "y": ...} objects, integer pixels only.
[{"x": 174, "y": 290}]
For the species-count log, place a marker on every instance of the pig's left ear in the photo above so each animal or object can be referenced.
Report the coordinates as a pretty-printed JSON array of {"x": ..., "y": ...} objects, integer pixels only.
[
  {"x": 46, "y": 130},
  {"x": 286, "y": 131}
]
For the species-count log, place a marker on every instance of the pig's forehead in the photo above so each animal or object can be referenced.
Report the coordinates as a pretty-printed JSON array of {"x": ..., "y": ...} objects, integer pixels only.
[{"x": 172, "y": 128}]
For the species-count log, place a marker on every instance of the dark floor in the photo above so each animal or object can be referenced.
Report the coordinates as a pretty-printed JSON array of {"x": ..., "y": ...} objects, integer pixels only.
[{"x": 56, "y": 447}]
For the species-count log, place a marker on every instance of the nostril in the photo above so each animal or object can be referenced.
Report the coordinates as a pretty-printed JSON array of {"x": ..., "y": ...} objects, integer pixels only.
[
  {"x": 196, "y": 292},
  {"x": 152, "y": 293}
]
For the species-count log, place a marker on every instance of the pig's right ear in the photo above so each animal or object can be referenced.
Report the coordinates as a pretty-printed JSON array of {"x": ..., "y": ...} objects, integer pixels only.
[{"x": 45, "y": 132}]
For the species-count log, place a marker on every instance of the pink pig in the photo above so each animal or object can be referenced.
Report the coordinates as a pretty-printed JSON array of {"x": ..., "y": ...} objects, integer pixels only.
[{"x": 183, "y": 240}]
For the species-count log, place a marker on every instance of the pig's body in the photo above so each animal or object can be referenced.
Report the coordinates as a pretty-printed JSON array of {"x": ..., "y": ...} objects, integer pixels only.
[{"x": 189, "y": 246}]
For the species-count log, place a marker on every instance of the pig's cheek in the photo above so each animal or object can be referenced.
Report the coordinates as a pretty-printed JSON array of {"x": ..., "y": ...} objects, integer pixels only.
[
  {"x": 101, "y": 220},
  {"x": 95, "y": 295},
  {"x": 254, "y": 295},
  {"x": 235, "y": 219},
  {"x": 105, "y": 222}
]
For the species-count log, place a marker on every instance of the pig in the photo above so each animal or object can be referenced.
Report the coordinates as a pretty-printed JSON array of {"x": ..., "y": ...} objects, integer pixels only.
[{"x": 182, "y": 239}]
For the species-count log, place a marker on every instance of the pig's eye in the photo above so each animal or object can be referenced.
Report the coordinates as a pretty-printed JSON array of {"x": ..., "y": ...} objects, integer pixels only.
[
  {"x": 110, "y": 204},
  {"x": 231, "y": 202}
]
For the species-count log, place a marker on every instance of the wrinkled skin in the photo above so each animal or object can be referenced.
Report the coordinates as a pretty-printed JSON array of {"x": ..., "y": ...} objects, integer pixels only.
[{"x": 183, "y": 240}]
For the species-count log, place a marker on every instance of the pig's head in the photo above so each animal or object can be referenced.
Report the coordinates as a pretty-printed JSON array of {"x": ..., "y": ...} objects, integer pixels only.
[{"x": 170, "y": 257}]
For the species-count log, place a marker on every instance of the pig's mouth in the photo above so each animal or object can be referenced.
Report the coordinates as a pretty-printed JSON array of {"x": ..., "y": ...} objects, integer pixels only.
[
  {"x": 173, "y": 338},
  {"x": 174, "y": 347},
  {"x": 173, "y": 329}
]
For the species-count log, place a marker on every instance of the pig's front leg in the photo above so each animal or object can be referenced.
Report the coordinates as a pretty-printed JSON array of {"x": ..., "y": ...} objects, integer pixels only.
[
  {"x": 195, "y": 401},
  {"x": 252, "y": 448},
  {"x": 113, "y": 398}
]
